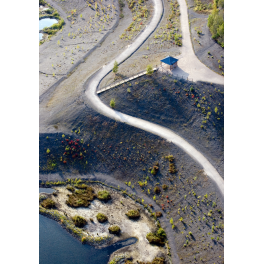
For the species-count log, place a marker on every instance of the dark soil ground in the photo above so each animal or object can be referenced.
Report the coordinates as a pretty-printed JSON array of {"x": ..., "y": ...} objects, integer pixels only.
[
  {"x": 127, "y": 153},
  {"x": 169, "y": 102},
  {"x": 203, "y": 42},
  {"x": 119, "y": 151}
]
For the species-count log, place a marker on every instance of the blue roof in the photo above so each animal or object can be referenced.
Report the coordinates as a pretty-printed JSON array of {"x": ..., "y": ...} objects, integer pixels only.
[{"x": 169, "y": 60}]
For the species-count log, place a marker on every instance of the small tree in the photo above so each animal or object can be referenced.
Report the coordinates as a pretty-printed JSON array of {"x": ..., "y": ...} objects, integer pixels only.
[
  {"x": 112, "y": 103},
  {"x": 149, "y": 70},
  {"x": 115, "y": 69}
]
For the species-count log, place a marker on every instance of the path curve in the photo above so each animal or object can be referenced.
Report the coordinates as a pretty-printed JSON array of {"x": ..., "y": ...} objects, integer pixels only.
[{"x": 94, "y": 102}]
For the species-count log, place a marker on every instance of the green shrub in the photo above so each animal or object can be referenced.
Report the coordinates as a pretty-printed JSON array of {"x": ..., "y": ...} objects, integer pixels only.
[
  {"x": 115, "y": 68},
  {"x": 161, "y": 233},
  {"x": 103, "y": 195},
  {"x": 114, "y": 229},
  {"x": 48, "y": 203},
  {"x": 133, "y": 214},
  {"x": 150, "y": 70},
  {"x": 101, "y": 218},
  {"x": 79, "y": 221},
  {"x": 112, "y": 103}
]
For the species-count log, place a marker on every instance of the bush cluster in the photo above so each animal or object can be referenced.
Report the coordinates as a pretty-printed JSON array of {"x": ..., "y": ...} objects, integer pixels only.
[
  {"x": 157, "y": 238},
  {"x": 103, "y": 195},
  {"x": 114, "y": 229},
  {"x": 101, "y": 218},
  {"x": 133, "y": 214},
  {"x": 79, "y": 221},
  {"x": 48, "y": 203},
  {"x": 82, "y": 197}
]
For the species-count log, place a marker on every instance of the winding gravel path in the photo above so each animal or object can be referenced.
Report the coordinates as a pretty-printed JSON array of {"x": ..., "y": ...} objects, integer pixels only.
[
  {"x": 94, "y": 102},
  {"x": 189, "y": 65}
]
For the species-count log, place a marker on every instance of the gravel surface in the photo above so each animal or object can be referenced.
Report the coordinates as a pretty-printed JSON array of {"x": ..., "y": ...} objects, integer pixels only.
[
  {"x": 75, "y": 40},
  {"x": 203, "y": 43}
]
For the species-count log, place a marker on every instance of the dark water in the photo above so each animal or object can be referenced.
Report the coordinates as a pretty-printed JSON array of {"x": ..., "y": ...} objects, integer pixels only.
[
  {"x": 46, "y": 190},
  {"x": 57, "y": 246}
]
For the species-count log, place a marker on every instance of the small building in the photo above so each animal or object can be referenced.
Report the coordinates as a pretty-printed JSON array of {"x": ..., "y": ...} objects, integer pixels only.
[{"x": 169, "y": 63}]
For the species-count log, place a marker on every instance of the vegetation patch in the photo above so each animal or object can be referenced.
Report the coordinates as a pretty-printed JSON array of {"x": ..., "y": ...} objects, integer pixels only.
[
  {"x": 81, "y": 197},
  {"x": 133, "y": 214},
  {"x": 103, "y": 195},
  {"x": 79, "y": 221},
  {"x": 216, "y": 22},
  {"x": 155, "y": 169},
  {"x": 70, "y": 188},
  {"x": 114, "y": 229},
  {"x": 101, "y": 218},
  {"x": 48, "y": 203},
  {"x": 155, "y": 239}
]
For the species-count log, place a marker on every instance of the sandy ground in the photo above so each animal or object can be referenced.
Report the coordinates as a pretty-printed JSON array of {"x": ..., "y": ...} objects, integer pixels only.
[{"x": 115, "y": 211}]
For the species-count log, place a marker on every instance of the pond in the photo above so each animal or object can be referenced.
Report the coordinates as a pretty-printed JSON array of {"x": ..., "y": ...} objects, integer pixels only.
[
  {"x": 47, "y": 22},
  {"x": 57, "y": 246},
  {"x": 40, "y": 36}
]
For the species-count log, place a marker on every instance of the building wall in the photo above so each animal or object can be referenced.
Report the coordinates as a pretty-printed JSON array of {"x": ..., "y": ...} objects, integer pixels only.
[{"x": 169, "y": 67}]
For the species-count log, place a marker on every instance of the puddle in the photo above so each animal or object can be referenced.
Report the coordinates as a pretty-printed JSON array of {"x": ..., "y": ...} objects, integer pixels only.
[{"x": 47, "y": 22}]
